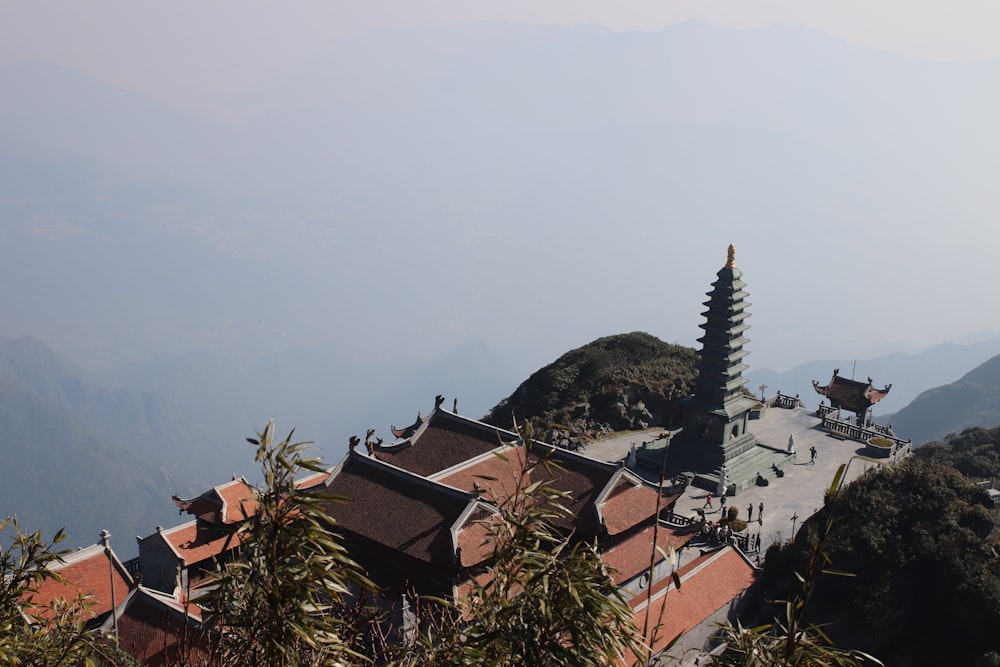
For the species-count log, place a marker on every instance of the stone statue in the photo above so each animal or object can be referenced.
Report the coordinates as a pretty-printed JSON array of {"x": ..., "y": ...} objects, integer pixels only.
[
  {"x": 723, "y": 481},
  {"x": 631, "y": 461},
  {"x": 791, "y": 443}
]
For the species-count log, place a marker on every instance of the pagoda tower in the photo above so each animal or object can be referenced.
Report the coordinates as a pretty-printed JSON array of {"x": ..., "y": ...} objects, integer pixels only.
[{"x": 716, "y": 439}]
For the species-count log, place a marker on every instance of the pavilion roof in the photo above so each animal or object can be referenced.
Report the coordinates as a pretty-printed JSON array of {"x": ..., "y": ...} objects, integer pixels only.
[
  {"x": 851, "y": 395},
  {"x": 225, "y": 504}
]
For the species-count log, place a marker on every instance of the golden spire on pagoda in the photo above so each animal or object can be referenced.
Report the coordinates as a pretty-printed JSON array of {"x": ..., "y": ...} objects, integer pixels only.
[{"x": 731, "y": 259}]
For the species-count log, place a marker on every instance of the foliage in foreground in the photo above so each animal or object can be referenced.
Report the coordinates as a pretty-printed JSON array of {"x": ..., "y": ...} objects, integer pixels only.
[
  {"x": 545, "y": 599},
  {"x": 921, "y": 544},
  {"x": 281, "y": 602},
  {"x": 52, "y": 635}
]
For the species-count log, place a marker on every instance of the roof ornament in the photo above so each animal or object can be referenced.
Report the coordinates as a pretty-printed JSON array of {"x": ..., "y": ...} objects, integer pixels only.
[
  {"x": 369, "y": 443},
  {"x": 731, "y": 258},
  {"x": 438, "y": 400},
  {"x": 454, "y": 406},
  {"x": 353, "y": 443}
]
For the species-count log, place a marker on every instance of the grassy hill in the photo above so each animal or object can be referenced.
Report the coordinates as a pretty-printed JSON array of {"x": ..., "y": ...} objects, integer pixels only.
[{"x": 615, "y": 383}]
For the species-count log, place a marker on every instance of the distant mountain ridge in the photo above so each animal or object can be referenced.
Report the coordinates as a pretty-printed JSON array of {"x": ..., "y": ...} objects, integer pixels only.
[
  {"x": 59, "y": 471},
  {"x": 141, "y": 422},
  {"x": 909, "y": 374},
  {"x": 971, "y": 401}
]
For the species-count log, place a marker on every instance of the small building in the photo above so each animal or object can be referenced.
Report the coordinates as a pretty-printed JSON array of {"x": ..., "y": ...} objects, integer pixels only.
[
  {"x": 851, "y": 395},
  {"x": 185, "y": 556}
]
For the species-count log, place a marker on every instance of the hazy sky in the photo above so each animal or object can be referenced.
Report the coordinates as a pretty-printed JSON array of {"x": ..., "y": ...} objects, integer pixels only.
[
  {"x": 202, "y": 55},
  {"x": 190, "y": 51}
]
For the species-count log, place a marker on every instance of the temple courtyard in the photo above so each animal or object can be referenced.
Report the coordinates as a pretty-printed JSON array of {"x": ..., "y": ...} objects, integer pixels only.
[{"x": 788, "y": 499}]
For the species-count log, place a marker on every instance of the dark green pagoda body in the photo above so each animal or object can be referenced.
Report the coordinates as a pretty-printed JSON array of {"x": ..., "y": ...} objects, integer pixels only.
[{"x": 717, "y": 415}]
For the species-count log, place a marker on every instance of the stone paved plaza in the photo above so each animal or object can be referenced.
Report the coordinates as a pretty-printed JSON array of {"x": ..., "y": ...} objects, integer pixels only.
[{"x": 799, "y": 493}]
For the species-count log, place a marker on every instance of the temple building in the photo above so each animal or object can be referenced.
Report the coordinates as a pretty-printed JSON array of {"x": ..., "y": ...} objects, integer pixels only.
[
  {"x": 415, "y": 510},
  {"x": 716, "y": 447},
  {"x": 851, "y": 395},
  {"x": 415, "y": 507}
]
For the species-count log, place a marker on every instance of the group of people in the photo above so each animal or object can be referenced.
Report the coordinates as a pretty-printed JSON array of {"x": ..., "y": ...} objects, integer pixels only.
[{"x": 716, "y": 532}]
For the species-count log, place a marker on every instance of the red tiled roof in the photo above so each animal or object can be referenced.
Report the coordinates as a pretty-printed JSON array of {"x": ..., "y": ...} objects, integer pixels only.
[
  {"x": 194, "y": 542},
  {"x": 496, "y": 475},
  {"x": 312, "y": 480},
  {"x": 474, "y": 538},
  {"x": 708, "y": 584},
  {"x": 224, "y": 504},
  {"x": 92, "y": 571},
  {"x": 238, "y": 501},
  {"x": 631, "y": 556},
  {"x": 395, "y": 509},
  {"x": 580, "y": 478},
  {"x": 464, "y": 589},
  {"x": 629, "y": 507}
]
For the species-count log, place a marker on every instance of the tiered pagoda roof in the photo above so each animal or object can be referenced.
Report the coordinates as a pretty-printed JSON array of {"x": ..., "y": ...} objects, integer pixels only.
[
  {"x": 718, "y": 386},
  {"x": 716, "y": 441}
]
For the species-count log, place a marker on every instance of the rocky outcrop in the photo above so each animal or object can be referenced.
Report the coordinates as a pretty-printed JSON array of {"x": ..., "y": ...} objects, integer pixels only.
[{"x": 618, "y": 383}]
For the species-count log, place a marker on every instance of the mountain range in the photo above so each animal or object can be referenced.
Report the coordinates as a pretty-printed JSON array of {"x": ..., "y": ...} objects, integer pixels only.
[
  {"x": 95, "y": 453},
  {"x": 909, "y": 374},
  {"x": 438, "y": 211},
  {"x": 972, "y": 400}
]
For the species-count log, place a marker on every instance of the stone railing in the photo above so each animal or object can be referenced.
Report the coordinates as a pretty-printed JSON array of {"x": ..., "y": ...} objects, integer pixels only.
[
  {"x": 853, "y": 431},
  {"x": 741, "y": 541},
  {"x": 780, "y": 400}
]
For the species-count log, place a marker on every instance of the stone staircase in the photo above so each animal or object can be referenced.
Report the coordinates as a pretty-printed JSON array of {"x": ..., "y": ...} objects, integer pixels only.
[
  {"x": 743, "y": 471},
  {"x": 745, "y": 458}
]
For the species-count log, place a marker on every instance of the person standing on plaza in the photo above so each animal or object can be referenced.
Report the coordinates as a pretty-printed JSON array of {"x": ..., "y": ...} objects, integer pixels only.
[
  {"x": 812, "y": 456},
  {"x": 749, "y": 512},
  {"x": 760, "y": 511},
  {"x": 708, "y": 500}
]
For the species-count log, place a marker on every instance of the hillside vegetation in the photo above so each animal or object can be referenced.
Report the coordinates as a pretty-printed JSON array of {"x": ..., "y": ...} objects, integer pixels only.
[
  {"x": 615, "y": 383},
  {"x": 921, "y": 543}
]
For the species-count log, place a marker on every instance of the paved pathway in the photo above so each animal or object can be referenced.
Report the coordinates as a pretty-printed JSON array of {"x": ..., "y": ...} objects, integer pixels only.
[{"x": 798, "y": 494}]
